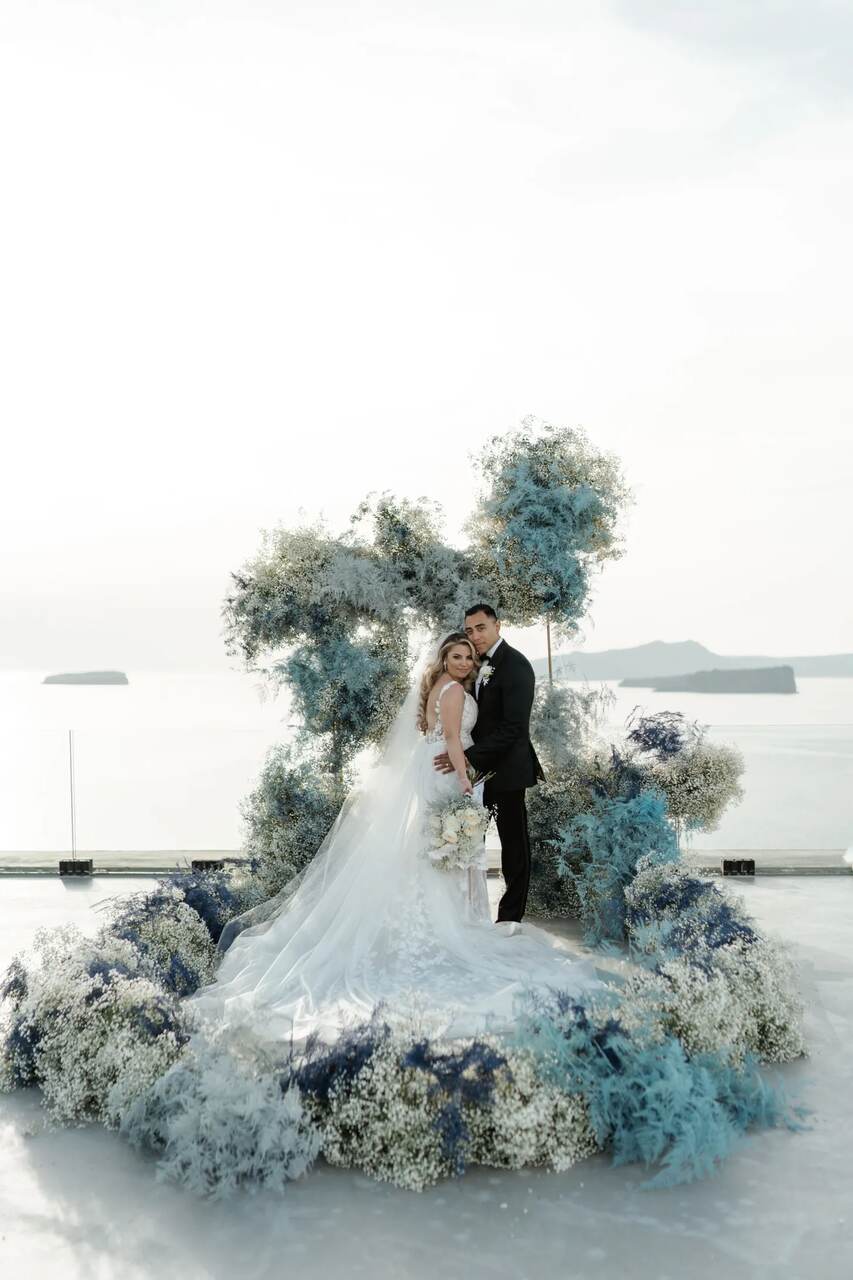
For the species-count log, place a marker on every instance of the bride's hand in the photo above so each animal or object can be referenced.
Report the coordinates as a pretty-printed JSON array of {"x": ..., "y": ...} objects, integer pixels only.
[
  {"x": 465, "y": 785},
  {"x": 443, "y": 763}
]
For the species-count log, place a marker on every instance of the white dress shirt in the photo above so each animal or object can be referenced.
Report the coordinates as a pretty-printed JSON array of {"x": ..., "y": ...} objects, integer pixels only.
[{"x": 489, "y": 655}]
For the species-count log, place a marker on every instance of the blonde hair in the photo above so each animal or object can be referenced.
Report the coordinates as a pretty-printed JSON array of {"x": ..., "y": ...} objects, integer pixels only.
[{"x": 437, "y": 666}]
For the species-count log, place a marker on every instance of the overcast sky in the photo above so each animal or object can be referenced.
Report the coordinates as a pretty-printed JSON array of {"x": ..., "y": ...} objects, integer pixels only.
[{"x": 264, "y": 256}]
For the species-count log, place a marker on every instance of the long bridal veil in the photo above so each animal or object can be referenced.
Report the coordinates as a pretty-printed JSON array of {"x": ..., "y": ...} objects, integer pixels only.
[
  {"x": 370, "y": 921},
  {"x": 349, "y": 859}
]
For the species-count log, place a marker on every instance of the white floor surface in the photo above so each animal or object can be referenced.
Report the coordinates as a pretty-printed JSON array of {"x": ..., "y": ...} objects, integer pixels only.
[{"x": 80, "y": 1205}]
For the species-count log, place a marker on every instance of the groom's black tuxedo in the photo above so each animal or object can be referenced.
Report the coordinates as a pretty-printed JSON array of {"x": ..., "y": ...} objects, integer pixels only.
[
  {"x": 502, "y": 746},
  {"x": 502, "y": 733}
]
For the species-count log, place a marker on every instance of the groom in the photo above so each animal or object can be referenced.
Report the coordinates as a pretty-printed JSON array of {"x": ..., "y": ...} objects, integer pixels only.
[{"x": 502, "y": 746}]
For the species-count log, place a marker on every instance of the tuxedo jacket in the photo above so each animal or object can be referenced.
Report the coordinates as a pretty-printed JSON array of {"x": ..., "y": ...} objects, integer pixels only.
[{"x": 502, "y": 733}]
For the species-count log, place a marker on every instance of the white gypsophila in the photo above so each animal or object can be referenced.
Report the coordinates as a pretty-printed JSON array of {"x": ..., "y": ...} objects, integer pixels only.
[
  {"x": 51, "y": 952},
  {"x": 87, "y": 1048},
  {"x": 221, "y": 1120},
  {"x": 700, "y": 783},
  {"x": 13, "y": 1072},
  {"x": 91, "y": 1033},
  {"x": 179, "y": 931},
  {"x": 8, "y": 1080},
  {"x": 384, "y": 1122},
  {"x": 456, "y": 830},
  {"x": 650, "y": 878},
  {"x": 245, "y": 885},
  {"x": 748, "y": 1001},
  {"x": 701, "y": 1009},
  {"x": 296, "y": 557},
  {"x": 529, "y": 1122},
  {"x": 657, "y": 882},
  {"x": 765, "y": 979},
  {"x": 113, "y": 951},
  {"x": 57, "y": 947},
  {"x": 91, "y": 1043}
]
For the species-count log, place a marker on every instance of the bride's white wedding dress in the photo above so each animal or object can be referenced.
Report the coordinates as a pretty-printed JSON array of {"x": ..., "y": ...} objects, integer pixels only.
[{"x": 371, "y": 920}]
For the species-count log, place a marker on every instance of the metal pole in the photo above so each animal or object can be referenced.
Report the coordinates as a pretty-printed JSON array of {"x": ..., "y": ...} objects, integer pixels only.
[
  {"x": 71, "y": 779},
  {"x": 550, "y": 663}
]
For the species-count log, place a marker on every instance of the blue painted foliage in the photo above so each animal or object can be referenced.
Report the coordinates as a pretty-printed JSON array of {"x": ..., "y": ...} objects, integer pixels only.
[
  {"x": 610, "y": 840},
  {"x": 649, "y": 1102}
]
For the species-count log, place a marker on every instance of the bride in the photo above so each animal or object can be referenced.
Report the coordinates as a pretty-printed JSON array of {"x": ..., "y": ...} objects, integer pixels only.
[{"x": 372, "y": 920}]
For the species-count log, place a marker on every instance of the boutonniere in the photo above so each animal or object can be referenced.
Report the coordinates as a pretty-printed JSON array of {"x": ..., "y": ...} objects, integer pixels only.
[{"x": 486, "y": 672}]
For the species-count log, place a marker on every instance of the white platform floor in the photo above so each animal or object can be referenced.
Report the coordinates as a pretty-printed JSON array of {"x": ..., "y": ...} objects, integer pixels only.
[{"x": 80, "y": 1205}]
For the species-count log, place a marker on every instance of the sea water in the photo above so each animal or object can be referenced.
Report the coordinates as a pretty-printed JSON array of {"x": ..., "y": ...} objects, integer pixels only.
[
  {"x": 798, "y": 757},
  {"x": 165, "y": 762},
  {"x": 160, "y": 763}
]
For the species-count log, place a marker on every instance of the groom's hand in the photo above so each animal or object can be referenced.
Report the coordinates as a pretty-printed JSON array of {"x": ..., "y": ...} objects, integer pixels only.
[{"x": 442, "y": 763}]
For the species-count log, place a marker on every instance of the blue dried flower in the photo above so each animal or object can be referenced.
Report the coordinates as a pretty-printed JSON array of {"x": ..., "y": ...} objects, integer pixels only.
[
  {"x": 322, "y": 1066},
  {"x": 467, "y": 1073},
  {"x": 14, "y": 985},
  {"x": 663, "y": 734},
  {"x": 209, "y": 895},
  {"x": 107, "y": 971},
  {"x": 157, "y": 1016},
  {"x": 20, "y": 1048}
]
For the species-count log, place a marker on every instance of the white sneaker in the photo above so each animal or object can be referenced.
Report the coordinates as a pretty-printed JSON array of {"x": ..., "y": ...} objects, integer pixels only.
[{"x": 509, "y": 927}]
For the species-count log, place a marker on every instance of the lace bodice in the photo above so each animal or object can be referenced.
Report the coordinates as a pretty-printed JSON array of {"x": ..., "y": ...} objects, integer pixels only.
[{"x": 469, "y": 719}]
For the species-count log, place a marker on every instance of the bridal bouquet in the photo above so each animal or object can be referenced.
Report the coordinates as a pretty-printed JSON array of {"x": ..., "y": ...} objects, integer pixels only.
[{"x": 456, "y": 830}]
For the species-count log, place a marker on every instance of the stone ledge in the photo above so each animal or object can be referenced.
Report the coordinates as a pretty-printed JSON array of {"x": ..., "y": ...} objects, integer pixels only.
[{"x": 148, "y": 862}]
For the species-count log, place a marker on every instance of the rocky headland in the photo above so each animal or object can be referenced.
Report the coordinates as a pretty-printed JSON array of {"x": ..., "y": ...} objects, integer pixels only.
[
  {"x": 683, "y": 658},
  {"x": 751, "y": 680},
  {"x": 87, "y": 677}
]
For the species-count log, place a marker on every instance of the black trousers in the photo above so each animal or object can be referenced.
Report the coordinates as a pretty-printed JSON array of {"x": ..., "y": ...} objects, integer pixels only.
[{"x": 511, "y": 818}]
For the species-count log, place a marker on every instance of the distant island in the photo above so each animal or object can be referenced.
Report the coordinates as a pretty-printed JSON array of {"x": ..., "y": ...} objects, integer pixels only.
[
  {"x": 682, "y": 658},
  {"x": 748, "y": 680},
  {"x": 87, "y": 677}
]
